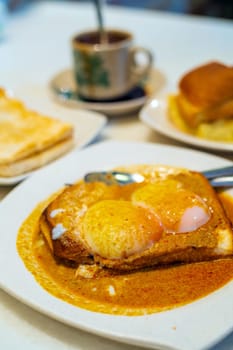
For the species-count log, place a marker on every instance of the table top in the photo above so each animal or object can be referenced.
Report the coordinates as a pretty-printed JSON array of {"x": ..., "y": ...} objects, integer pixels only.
[{"x": 35, "y": 46}]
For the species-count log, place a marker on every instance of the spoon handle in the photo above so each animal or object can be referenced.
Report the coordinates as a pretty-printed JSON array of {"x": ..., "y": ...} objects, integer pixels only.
[
  {"x": 220, "y": 172},
  {"x": 113, "y": 177},
  {"x": 98, "y": 7},
  {"x": 220, "y": 177},
  {"x": 226, "y": 181},
  {"x": 99, "y": 12}
]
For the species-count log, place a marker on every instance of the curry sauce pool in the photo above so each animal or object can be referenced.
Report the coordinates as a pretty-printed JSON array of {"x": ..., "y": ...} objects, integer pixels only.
[{"x": 136, "y": 293}]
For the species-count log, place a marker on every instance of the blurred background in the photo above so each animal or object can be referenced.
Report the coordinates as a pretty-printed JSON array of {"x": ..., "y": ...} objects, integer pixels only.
[{"x": 210, "y": 8}]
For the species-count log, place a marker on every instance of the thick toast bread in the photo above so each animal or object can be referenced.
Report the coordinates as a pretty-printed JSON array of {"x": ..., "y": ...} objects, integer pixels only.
[
  {"x": 61, "y": 224},
  {"x": 25, "y": 135},
  {"x": 206, "y": 94},
  {"x": 37, "y": 160}
]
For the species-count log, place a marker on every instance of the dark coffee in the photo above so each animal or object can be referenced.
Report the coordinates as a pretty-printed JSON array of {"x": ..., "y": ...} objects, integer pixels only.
[{"x": 94, "y": 37}]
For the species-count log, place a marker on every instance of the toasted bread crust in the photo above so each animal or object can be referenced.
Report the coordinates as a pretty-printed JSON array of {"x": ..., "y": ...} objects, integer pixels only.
[
  {"x": 207, "y": 85},
  {"x": 206, "y": 94},
  {"x": 25, "y": 134},
  {"x": 212, "y": 240},
  {"x": 39, "y": 159}
]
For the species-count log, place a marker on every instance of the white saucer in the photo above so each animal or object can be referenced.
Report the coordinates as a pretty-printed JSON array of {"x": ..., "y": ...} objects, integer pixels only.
[{"x": 65, "y": 91}]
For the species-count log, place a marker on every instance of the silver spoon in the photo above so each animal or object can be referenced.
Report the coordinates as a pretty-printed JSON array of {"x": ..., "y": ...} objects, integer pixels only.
[
  {"x": 114, "y": 177},
  {"x": 99, "y": 12},
  {"x": 218, "y": 172},
  {"x": 226, "y": 181},
  {"x": 221, "y": 177}
]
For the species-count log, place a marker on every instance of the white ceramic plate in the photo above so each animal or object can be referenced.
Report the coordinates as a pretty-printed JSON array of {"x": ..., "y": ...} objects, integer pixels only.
[
  {"x": 154, "y": 114},
  {"x": 195, "y": 326},
  {"x": 87, "y": 124},
  {"x": 65, "y": 90}
]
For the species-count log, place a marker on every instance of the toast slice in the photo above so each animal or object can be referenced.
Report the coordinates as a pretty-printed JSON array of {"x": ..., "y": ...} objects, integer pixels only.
[
  {"x": 206, "y": 94},
  {"x": 28, "y": 139},
  {"x": 64, "y": 221}
]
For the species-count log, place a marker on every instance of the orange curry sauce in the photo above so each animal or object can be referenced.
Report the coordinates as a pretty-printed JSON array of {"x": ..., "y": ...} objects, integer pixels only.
[{"x": 135, "y": 293}]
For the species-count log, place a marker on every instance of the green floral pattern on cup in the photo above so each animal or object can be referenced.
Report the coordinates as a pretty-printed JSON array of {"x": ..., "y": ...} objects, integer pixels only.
[{"x": 90, "y": 70}]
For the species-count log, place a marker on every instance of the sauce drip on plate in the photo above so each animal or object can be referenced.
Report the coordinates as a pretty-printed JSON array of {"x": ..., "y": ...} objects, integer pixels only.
[{"x": 135, "y": 293}]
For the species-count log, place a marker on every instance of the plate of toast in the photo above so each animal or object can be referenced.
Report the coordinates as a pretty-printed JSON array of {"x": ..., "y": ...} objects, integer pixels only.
[
  {"x": 199, "y": 111},
  {"x": 36, "y": 135},
  {"x": 159, "y": 275}
]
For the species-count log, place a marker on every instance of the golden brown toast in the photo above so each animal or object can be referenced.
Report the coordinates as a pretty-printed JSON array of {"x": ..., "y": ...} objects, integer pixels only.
[
  {"x": 28, "y": 139},
  {"x": 66, "y": 221},
  {"x": 206, "y": 93}
]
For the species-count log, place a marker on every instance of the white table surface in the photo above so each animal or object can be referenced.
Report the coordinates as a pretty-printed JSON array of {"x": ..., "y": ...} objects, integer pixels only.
[{"x": 36, "y": 45}]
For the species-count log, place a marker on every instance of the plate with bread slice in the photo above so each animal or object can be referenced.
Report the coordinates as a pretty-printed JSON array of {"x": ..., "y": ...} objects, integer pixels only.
[
  {"x": 149, "y": 263},
  {"x": 199, "y": 111},
  {"x": 33, "y": 137}
]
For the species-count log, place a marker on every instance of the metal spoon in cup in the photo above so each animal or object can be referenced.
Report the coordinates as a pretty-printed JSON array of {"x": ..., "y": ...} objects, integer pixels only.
[
  {"x": 220, "y": 177},
  {"x": 99, "y": 11}
]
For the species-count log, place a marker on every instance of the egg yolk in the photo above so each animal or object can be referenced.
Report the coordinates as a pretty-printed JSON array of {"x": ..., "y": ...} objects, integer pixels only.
[
  {"x": 116, "y": 229},
  {"x": 177, "y": 208}
]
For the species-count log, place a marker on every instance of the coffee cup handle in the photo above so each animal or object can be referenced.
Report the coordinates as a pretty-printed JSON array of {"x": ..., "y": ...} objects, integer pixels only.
[{"x": 139, "y": 71}]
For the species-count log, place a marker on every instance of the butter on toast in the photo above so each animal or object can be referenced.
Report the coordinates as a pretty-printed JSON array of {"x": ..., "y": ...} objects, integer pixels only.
[
  {"x": 28, "y": 139},
  {"x": 62, "y": 223},
  {"x": 206, "y": 94}
]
